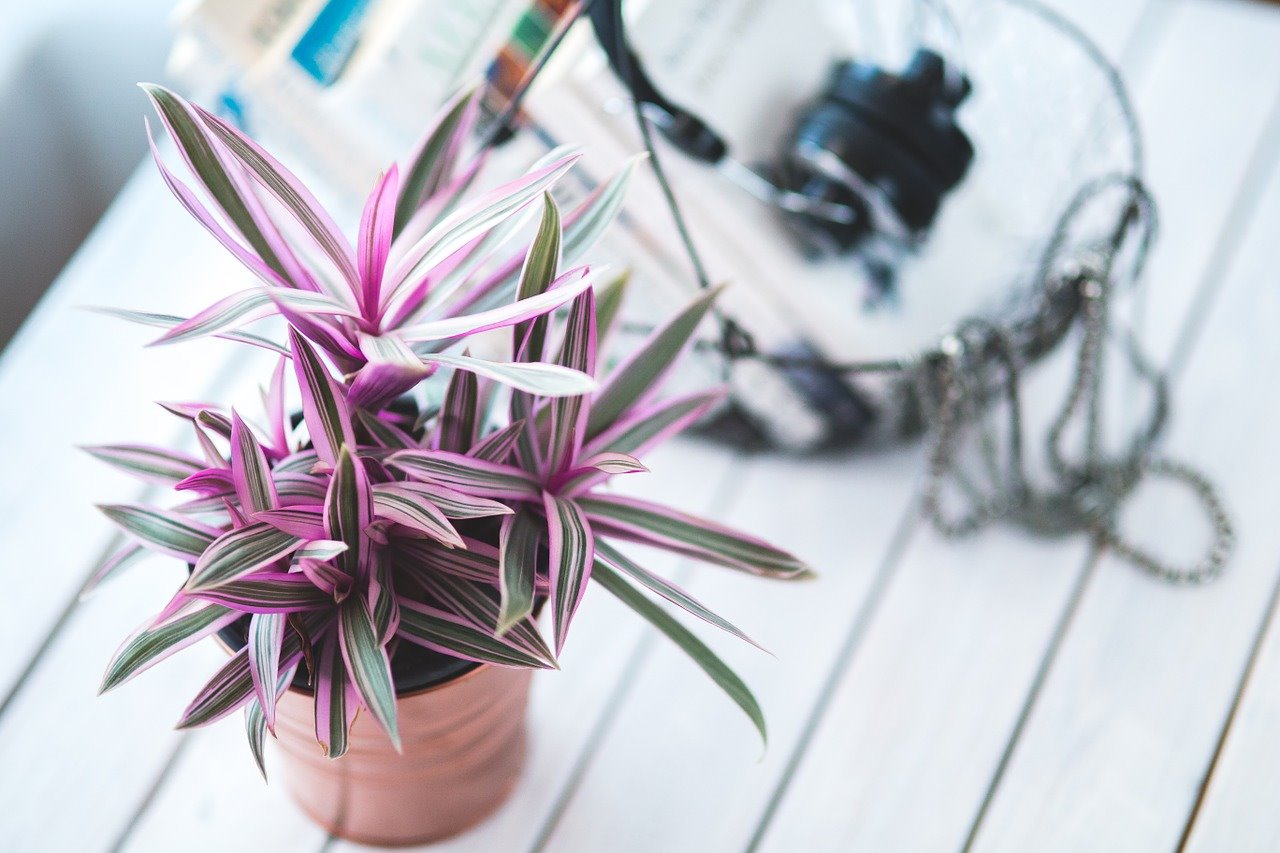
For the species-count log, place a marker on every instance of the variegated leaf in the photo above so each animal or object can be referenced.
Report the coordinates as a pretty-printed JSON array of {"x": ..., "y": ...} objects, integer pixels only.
[
  {"x": 649, "y": 523},
  {"x": 445, "y": 632},
  {"x": 367, "y": 664},
  {"x": 656, "y": 584},
  {"x": 193, "y": 621},
  {"x": 637, "y": 378},
  {"x": 239, "y": 552},
  {"x": 163, "y": 531},
  {"x": 323, "y": 407},
  {"x": 712, "y": 665},
  {"x": 464, "y": 473},
  {"x": 153, "y": 464},
  {"x": 571, "y": 550},
  {"x": 518, "y": 550},
  {"x": 412, "y": 508}
]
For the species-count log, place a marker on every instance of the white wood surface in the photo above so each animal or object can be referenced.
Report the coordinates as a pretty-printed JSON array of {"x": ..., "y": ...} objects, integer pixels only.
[{"x": 1002, "y": 693}]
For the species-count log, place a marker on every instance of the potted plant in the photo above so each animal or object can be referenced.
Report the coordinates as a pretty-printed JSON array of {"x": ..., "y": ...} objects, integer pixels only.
[{"x": 379, "y": 551}]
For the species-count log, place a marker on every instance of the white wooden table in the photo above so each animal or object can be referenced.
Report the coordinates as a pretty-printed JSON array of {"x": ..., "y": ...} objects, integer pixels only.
[{"x": 1004, "y": 693}]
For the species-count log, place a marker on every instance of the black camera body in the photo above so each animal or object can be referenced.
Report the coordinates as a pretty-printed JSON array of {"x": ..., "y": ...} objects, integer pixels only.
[{"x": 884, "y": 144}]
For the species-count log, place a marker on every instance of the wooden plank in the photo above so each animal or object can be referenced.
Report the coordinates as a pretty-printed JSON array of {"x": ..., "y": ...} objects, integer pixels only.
[
  {"x": 689, "y": 764},
  {"x": 919, "y": 722},
  {"x": 91, "y": 381},
  {"x": 1119, "y": 741},
  {"x": 80, "y": 378},
  {"x": 1238, "y": 810}
]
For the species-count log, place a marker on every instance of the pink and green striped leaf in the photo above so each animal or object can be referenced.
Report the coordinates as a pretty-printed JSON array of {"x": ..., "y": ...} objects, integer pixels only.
[
  {"x": 571, "y": 549},
  {"x": 323, "y": 407},
  {"x": 434, "y": 158},
  {"x": 413, "y": 509},
  {"x": 641, "y": 521},
  {"x": 637, "y": 379},
  {"x": 546, "y": 380},
  {"x": 720, "y": 673},
  {"x": 541, "y": 263},
  {"x": 249, "y": 470},
  {"x": 449, "y": 633},
  {"x": 117, "y": 562},
  {"x": 266, "y": 637},
  {"x": 475, "y": 602},
  {"x": 287, "y": 190},
  {"x": 473, "y": 219},
  {"x": 518, "y": 560},
  {"x": 384, "y": 434},
  {"x": 569, "y": 414},
  {"x": 164, "y": 531},
  {"x": 664, "y": 588},
  {"x": 270, "y": 592},
  {"x": 459, "y": 413},
  {"x": 255, "y": 721},
  {"x": 497, "y": 445},
  {"x": 239, "y": 309},
  {"x": 348, "y": 509},
  {"x": 304, "y": 521},
  {"x": 168, "y": 321},
  {"x": 203, "y": 158},
  {"x": 376, "y": 225},
  {"x": 333, "y": 718},
  {"x": 367, "y": 664},
  {"x": 152, "y": 464},
  {"x": 465, "y": 473},
  {"x": 192, "y": 622},
  {"x": 563, "y": 289},
  {"x": 392, "y": 370},
  {"x": 240, "y": 552},
  {"x": 450, "y": 502}
]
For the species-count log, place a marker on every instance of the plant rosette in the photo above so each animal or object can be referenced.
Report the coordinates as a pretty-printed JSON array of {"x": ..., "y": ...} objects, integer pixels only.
[{"x": 390, "y": 556}]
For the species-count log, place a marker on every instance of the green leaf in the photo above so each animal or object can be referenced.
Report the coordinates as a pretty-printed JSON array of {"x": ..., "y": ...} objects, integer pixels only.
[
  {"x": 540, "y": 265},
  {"x": 609, "y": 299},
  {"x": 431, "y": 162},
  {"x": 571, "y": 548},
  {"x": 458, "y": 416},
  {"x": 240, "y": 552},
  {"x": 367, "y": 664},
  {"x": 518, "y": 549},
  {"x": 154, "y": 643},
  {"x": 541, "y": 378},
  {"x": 666, "y": 589},
  {"x": 154, "y": 464},
  {"x": 640, "y": 374},
  {"x": 720, "y": 673},
  {"x": 436, "y": 629},
  {"x": 569, "y": 414},
  {"x": 168, "y": 532}
]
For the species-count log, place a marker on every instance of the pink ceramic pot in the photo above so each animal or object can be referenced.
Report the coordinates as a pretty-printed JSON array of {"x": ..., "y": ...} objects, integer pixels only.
[{"x": 464, "y": 748}]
